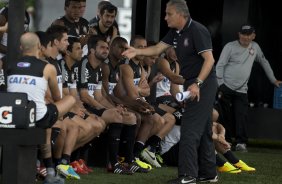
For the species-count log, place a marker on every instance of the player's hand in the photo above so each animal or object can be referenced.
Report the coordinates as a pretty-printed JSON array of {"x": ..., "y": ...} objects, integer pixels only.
[
  {"x": 130, "y": 52},
  {"x": 194, "y": 91}
]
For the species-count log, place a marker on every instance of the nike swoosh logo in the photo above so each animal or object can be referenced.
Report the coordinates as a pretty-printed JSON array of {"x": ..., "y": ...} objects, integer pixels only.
[
  {"x": 186, "y": 181},
  {"x": 152, "y": 157}
]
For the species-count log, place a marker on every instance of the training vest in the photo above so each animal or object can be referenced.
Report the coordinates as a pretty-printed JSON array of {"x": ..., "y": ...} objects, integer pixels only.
[{"x": 26, "y": 76}]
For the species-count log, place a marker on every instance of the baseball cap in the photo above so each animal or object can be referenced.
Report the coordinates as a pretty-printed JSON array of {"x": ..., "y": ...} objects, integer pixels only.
[{"x": 247, "y": 29}]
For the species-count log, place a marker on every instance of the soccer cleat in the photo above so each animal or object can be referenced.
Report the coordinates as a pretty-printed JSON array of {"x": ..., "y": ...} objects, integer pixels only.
[
  {"x": 159, "y": 158},
  {"x": 134, "y": 167},
  {"x": 241, "y": 147},
  {"x": 120, "y": 169},
  {"x": 183, "y": 179},
  {"x": 50, "y": 179},
  {"x": 67, "y": 171},
  {"x": 84, "y": 166},
  {"x": 150, "y": 157},
  {"x": 77, "y": 168},
  {"x": 144, "y": 165},
  {"x": 208, "y": 180},
  {"x": 229, "y": 168},
  {"x": 244, "y": 167}
]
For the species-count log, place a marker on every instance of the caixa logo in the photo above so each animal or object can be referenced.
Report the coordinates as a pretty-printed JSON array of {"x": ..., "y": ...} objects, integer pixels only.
[{"x": 6, "y": 116}]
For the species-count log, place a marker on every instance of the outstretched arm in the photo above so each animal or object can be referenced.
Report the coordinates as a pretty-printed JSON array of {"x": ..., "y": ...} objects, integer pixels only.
[{"x": 131, "y": 52}]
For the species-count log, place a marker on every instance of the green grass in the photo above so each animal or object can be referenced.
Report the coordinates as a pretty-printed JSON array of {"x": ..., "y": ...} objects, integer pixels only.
[{"x": 267, "y": 162}]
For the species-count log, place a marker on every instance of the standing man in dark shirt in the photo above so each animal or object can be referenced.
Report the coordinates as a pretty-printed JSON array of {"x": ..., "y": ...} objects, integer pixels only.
[{"x": 193, "y": 46}]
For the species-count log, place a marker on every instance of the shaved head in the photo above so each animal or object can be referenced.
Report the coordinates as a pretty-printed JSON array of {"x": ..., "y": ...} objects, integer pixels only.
[{"x": 29, "y": 42}]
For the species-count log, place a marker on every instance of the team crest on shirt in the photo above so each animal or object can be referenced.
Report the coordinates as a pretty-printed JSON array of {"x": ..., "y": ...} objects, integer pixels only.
[
  {"x": 251, "y": 51},
  {"x": 84, "y": 29},
  {"x": 77, "y": 31},
  {"x": 186, "y": 42}
]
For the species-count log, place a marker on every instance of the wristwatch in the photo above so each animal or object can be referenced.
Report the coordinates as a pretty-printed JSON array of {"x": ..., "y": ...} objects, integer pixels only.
[{"x": 199, "y": 82}]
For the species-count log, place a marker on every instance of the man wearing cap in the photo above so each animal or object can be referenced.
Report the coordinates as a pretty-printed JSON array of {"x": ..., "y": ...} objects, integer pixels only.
[{"x": 233, "y": 71}]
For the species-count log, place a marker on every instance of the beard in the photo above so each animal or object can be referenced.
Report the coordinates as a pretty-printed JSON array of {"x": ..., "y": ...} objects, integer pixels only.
[{"x": 101, "y": 57}]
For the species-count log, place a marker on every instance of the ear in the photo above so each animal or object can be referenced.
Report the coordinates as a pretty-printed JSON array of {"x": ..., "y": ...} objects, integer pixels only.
[
  {"x": 68, "y": 52},
  {"x": 56, "y": 42},
  {"x": 253, "y": 36},
  {"x": 92, "y": 51}
]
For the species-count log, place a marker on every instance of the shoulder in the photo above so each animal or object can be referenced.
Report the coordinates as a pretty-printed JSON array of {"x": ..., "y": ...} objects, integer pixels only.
[
  {"x": 59, "y": 21},
  {"x": 198, "y": 27}
]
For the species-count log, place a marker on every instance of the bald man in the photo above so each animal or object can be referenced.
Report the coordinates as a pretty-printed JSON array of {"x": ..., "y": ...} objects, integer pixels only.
[{"x": 33, "y": 76}]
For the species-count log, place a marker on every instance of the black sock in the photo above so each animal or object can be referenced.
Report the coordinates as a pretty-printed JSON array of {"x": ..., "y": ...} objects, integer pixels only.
[
  {"x": 138, "y": 147},
  {"x": 75, "y": 155},
  {"x": 65, "y": 159},
  {"x": 84, "y": 151},
  {"x": 128, "y": 134},
  {"x": 153, "y": 142},
  {"x": 219, "y": 161},
  {"x": 57, "y": 161},
  {"x": 48, "y": 162},
  {"x": 113, "y": 141},
  {"x": 231, "y": 157}
]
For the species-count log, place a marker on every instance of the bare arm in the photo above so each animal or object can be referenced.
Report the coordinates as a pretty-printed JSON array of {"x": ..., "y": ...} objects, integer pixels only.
[
  {"x": 163, "y": 66},
  {"x": 50, "y": 74},
  {"x": 207, "y": 66},
  {"x": 131, "y": 52},
  {"x": 127, "y": 77},
  {"x": 86, "y": 98}
]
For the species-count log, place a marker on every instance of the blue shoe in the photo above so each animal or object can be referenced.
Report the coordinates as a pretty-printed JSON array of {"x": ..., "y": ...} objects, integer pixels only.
[{"x": 67, "y": 171}]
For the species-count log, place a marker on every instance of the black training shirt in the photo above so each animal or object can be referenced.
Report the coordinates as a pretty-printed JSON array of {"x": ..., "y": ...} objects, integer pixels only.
[{"x": 189, "y": 43}]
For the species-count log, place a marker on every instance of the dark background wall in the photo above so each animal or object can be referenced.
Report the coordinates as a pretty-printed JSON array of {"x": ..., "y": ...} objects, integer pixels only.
[{"x": 223, "y": 19}]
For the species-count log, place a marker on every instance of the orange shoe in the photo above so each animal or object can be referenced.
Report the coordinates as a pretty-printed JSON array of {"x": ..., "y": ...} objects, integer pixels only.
[
  {"x": 77, "y": 168},
  {"x": 84, "y": 166}
]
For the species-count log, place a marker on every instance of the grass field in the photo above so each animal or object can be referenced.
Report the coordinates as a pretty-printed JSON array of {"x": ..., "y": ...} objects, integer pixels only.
[{"x": 268, "y": 163}]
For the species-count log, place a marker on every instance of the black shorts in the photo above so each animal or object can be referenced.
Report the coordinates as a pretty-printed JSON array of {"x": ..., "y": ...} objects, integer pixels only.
[
  {"x": 71, "y": 115},
  {"x": 167, "y": 100},
  {"x": 159, "y": 110},
  {"x": 50, "y": 117},
  {"x": 93, "y": 110}
]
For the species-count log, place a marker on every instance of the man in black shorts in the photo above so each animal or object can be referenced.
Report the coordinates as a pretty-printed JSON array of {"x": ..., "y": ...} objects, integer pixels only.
[{"x": 33, "y": 76}]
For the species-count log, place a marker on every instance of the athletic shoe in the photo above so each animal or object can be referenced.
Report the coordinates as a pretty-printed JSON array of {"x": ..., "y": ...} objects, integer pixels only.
[
  {"x": 134, "y": 167},
  {"x": 159, "y": 158},
  {"x": 120, "y": 169},
  {"x": 208, "y": 180},
  {"x": 84, "y": 166},
  {"x": 50, "y": 179},
  {"x": 144, "y": 165},
  {"x": 77, "y": 168},
  {"x": 150, "y": 157},
  {"x": 229, "y": 168},
  {"x": 67, "y": 171},
  {"x": 244, "y": 167},
  {"x": 183, "y": 179},
  {"x": 241, "y": 147}
]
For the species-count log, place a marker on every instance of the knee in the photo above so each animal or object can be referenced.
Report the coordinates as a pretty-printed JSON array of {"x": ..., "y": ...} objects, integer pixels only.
[{"x": 170, "y": 119}]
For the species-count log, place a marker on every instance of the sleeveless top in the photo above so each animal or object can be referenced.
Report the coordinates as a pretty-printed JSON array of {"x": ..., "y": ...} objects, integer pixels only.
[{"x": 26, "y": 75}]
